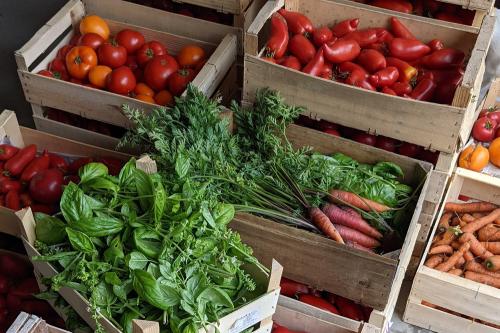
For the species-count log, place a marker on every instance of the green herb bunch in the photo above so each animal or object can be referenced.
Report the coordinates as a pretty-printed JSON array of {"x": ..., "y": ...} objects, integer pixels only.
[{"x": 137, "y": 249}]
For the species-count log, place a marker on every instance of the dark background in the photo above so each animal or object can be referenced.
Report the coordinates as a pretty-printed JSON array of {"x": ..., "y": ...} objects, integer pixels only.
[{"x": 19, "y": 20}]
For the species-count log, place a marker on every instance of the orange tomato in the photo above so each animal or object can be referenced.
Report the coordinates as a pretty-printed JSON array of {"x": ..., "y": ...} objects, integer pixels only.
[
  {"x": 143, "y": 89},
  {"x": 80, "y": 60},
  {"x": 474, "y": 158},
  {"x": 190, "y": 56},
  {"x": 164, "y": 98},
  {"x": 494, "y": 151},
  {"x": 146, "y": 98},
  {"x": 98, "y": 74},
  {"x": 94, "y": 24}
]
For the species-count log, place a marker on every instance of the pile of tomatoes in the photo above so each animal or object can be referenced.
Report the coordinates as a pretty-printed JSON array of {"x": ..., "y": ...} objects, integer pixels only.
[
  {"x": 379, "y": 141},
  {"x": 431, "y": 8},
  {"x": 393, "y": 62},
  {"x": 17, "y": 289},
  {"x": 37, "y": 181},
  {"x": 125, "y": 64},
  {"x": 486, "y": 146}
]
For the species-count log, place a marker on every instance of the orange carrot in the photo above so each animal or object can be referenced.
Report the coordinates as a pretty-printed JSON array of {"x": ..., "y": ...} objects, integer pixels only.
[
  {"x": 323, "y": 223},
  {"x": 357, "y": 246},
  {"x": 455, "y": 221},
  {"x": 481, "y": 222},
  {"x": 467, "y": 218},
  {"x": 455, "y": 245},
  {"x": 475, "y": 245},
  {"x": 478, "y": 268},
  {"x": 448, "y": 237},
  {"x": 460, "y": 262},
  {"x": 451, "y": 262},
  {"x": 355, "y": 236},
  {"x": 469, "y": 207},
  {"x": 478, "y": 215},
  {"x": 491, "y": 232},
  {"x": 468, "y": 256},
  {"x": 444, "y": 221},
  {"x": 441, "y": 249},
  {"x": 492, "y": 264},
  {"x": 483, "y": 278},
  {"x": 348, "y": 198},
  {"x": 434, "y": 260},
  {"x": 350, "y": 219},
  {"x": 493, "y": 247},
  {"x": 437, "y": 238},
  {"x": 456, "y": 271}
]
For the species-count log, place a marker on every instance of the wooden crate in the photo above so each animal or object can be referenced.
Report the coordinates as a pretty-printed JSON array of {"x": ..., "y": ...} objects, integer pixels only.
[
  {"x": 366, "y": 278},
  {"x": 224, "y": 6},
  {"x": 435, "y": 126},
  {"x": 28, "y": 323},
  {"x": 98, "y": 104},
  {"x": 451, "y": 292}
]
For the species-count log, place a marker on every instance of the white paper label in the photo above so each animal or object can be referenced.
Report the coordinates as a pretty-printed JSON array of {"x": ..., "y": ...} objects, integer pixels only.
[{"x": 246, "y": 321}]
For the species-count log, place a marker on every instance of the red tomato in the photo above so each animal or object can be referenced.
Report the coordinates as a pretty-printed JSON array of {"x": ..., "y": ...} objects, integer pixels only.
[
  {"x": 449, "y": 17},
  {"x": 429, "y": 156},
  {"x": 409, "y": 149},
  {"x": 14, "y": 267},
  {"x": 316, "y": 66},
  {"x": 158, "y": 70},
  {"x": 7, "y": 185},
  {"x": 400, "y": 30},
  {"x": 341, "y": 50},
  {"x": 297, "y": 22},
  {"x": 46, "y": 186},
  {"x": 290, "y": 62},
  {"x": 132, "y": 63},
  {"x": 179, "y": 80},
  {"x": 277, "y": 42},
  {"x": 130, "y": 39},
  {"x": 63, "y": 51},
  {"x": 318, "y": 302},
  {"x": 371, "y": 60},
  {"x": 494, "y": 115},
  {"x": 148, "y": 51},
  {"x": 444, "y": 59},
  {"x": 112, "y": 55},
  {"x": 385, "y": 77},
  {"x": 424, "y": 91},
  {"x": 401, "y": 88},
  {"x": 386, "y": 143},
  {"x": 91, "y": 40},
  {"x": 45, "y": 73},
  {"x": 332, "y": 131},
  {"x": 58, "y": 69},
  {"x": 302, "y": 48},
  {"x": 38, "y": 164},
  {"x": 321, "y": 36},
  {"x": 365, "y": 138},
  {"x": 121, "y": 80},
  {"x": 436, "y": 45},
  {"x": 74, "y": 39},
  {"x": 397, "y": 5},
  {"x": 291, "y": 288},
  {"x": 408, "y": 49},
  {"x": 7, "y": 152},
  {"x": 484, "y": 129},
  {"x": 388, "y": 91},
  {"x": 23, "y": 157},
  {"x": 345, "y": 68},
  {"x": 343, "y": 28},
  {"x": 366, "y": 37}
]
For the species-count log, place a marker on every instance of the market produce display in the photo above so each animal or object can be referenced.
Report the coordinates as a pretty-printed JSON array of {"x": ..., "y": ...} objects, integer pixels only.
[
  {"x": 431, "y": 8},
  {"x": 391, "y": 62},
  {"x": 126, "y": 63},
  {"x": 138, "y": 247}
]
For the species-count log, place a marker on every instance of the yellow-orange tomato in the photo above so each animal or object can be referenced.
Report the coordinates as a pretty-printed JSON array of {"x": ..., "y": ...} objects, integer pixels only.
[
  {"x": 190, "y": 56},
  {"x": 143, "y": 89},
  {"x": 80, "y": 60},
  {"x": 494, "y": 151},
  {"x": 474, "y": 158},
  {"x": 98, "y": 74},
  {"x": 164, "y": 98},
  {"x": 146, "y": 98},
  {"x": 95, "y": 24}
]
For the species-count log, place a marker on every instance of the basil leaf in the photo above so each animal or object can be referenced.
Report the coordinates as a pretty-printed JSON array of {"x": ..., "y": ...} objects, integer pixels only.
[
  {"x": 103, "y": 294},
  {"x": 154, "y": 270},
  {"x": 388, "y": 170},
  {"x": 158, "y": 295},
  {"x": 223, "y": 213},
  {"x": 207, "y": 215},
  {"x": 74, "y": 204},
  {"x": 126, "y": 176},
  {"x": 216, "y": 296},
  {"x": 126, "y": 321},
  {"x": 160, "y": 202},
  {"x": 91, "y": 171},
  {"x": 121, "y": 291},
  {"x": 148, "y": 242},
  {"x": 79, "y": 241},
  {"x": 55, "y": 257},
  {"x": 112, "y": 278},
  {"x": 182, "y": 165},
  {"x": 145, "y": 188},
  {"x": 114, "y": 253},
  {"x": 98, "y": 226},
  {"x": 102, "y": 184},
  {"x": 136, "y": 260},
  {"x": 49, "y": 229}
]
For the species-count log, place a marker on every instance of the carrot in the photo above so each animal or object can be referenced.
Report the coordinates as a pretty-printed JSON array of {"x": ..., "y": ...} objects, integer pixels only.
[
  {"x": 492, "y": 264},
  {"x": 323, "y": 223},
  {"x": 451, "y": 262},
  {"x": 493, "y": 247},
  {"x": 444, "y": 221},
  {"x": 454, "y": 222},
  {"x": 491, "y": 232},
  {"x": 350, "y": 219},
  {"x": 437, "y": 238},
  {"x": 467, "y": 218},
  {"x": 448, "y": 237},
  {"x": 434, "y": 260},
  {"x": 357, "y": 246},
  {"x": 356, "y": 236},
  {"x": 460, "y": 262},
  {"x": 455, "y": 245},
  {"x": 441, "y": 249},
  {"x": 344, "y": 197},
  {"x": 483, "y": 278},
  {"x": 475, "y": 245},
  {"x": 468, "y": 256},
  {"x": 478, "y": 268},
  {"x": 481, "y": 222},
  {"x": 469, "y": 207},
  {"x": 478, "y": 215},
  {"x": 456, "y": 271}
]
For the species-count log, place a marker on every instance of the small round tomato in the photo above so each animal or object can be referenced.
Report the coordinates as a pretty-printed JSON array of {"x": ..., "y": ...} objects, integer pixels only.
[
  {"x": 409, "y": 149},
  {"x": 178, "y": 81},
  {"x": 164, "y": 98},
  {"x": 74, "y": 39},
  {"x": 386, "y": 143},
  {"x": 145, "y": 98},
  {"x": 58, "y": 69},
  {"x": 111, "y": 54},
  {"x": 148, "y": 51},
  {"x": 331, "y": 131},
  {"x": 189, "y": 56},
  {"x": 95, "y": 24},
  {"x": 484, "y": 129},
  {"x": 121, "y": 80},
  {"x": 143, "y": 89},
  {"x": 429, "y": 156},
  {"x": 91, "y": 40},
  {"x": 132, "y": 62},
  {"x": 158, "y": 70},
  {"x": 98, "y": 74},
  {"x": 80, "y": 60},
  {"x": 494, "y": 151},
  {"x": 63, "y": 51},
  {"x": 46, "y": 73},
  {"x": 474, "y": 158},
  {"x": 131, "y": 40},
  {"x": 365, "y": 138}
]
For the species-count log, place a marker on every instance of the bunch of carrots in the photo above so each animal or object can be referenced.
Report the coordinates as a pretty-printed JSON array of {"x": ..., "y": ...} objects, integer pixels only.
[{"x": 468, "y": 242}]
